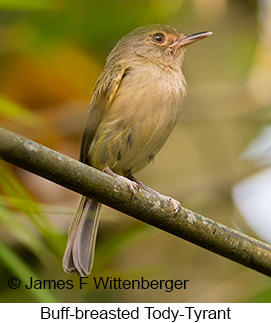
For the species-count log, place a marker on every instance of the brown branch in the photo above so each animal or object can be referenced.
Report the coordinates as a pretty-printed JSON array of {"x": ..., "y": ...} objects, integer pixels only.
[{"x": 143, "y": 206}]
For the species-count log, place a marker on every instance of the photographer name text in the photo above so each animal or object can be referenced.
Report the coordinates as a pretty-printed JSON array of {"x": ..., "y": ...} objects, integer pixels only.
[{"x": 102, "y": 283}]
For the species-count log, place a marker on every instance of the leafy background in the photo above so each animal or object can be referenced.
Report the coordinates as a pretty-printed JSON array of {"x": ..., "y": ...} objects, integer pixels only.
[{"x": 51, "y": 53}]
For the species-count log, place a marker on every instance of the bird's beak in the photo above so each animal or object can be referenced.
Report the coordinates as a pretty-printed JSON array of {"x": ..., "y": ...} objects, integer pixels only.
[{"x": 189, "y": 39}]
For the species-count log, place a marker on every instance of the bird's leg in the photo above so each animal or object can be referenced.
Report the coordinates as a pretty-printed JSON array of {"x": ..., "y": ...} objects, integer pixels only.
[
  {"x": 176, "y": 204},
  {"x": 129, "y": 182}
]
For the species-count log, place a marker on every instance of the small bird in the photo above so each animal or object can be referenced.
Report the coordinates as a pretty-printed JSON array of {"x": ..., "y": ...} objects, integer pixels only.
[{"x": 135, "y": 105}]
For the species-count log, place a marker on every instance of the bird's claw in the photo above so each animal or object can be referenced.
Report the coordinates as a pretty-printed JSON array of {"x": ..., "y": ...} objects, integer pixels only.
[
  {"x": 176, "y": 204},
  {"x": 133, "y": 186}
]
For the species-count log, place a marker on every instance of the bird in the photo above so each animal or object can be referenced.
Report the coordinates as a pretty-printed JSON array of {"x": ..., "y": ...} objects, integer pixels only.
[{"x": 135, "y": 105}]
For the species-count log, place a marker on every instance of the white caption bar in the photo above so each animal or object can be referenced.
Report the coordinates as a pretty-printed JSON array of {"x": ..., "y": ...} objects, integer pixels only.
[{"x": 132, "y": 312}]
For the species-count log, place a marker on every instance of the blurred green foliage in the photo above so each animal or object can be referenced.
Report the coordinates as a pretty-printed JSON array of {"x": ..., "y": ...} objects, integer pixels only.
[{"x": 51, "y": 53}]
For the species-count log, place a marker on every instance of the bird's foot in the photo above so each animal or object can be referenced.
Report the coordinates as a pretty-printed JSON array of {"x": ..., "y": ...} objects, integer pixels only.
[
  {"x": 133, "y": 186},
  {"x": 176, "y": 204}
]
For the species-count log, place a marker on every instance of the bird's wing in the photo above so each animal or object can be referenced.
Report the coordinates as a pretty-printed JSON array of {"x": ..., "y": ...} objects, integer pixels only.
[{"x": 104, "y": 93}]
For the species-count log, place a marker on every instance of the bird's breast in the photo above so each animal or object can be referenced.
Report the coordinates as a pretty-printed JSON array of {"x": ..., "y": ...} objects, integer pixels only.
[{"x": 140, "y": 119}]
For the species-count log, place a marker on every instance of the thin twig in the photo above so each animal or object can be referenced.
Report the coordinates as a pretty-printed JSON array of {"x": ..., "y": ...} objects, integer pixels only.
[{"x": 142, "y": 205}]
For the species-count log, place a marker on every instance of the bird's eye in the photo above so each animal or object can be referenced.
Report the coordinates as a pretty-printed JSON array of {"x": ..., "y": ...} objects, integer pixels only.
[{"x": 158, "y": 38}]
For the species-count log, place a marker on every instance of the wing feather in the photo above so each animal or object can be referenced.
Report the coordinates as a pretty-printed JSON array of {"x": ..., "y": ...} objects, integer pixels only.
[{"x": 104, "y": 93}]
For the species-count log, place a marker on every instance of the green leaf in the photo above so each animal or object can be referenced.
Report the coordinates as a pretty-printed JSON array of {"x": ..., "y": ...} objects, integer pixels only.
[
  {"x": 19, "y": 268},
  {"x": 22, "y": 201},
  {"x": 20, "y": 231},
  {"x": 17, "y": 112}
]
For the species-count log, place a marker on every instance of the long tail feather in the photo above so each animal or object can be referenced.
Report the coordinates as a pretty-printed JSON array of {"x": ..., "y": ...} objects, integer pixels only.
[{"x": 79, "y": 254}]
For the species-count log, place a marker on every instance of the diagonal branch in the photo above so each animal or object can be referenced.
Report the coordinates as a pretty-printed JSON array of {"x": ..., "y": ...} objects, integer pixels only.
[{"x": 143, "y": 206}]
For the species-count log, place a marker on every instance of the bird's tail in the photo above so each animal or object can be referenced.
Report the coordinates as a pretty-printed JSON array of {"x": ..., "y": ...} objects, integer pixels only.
[{"x": 79, "y": 254}]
